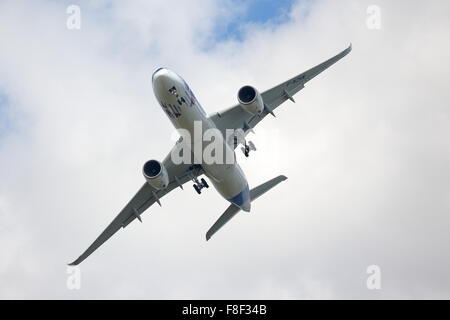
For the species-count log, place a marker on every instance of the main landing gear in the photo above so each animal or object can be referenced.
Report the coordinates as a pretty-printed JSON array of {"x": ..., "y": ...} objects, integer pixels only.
[
  {"x": 199, "y": 185},
  {"x": 248, "y": 147}
]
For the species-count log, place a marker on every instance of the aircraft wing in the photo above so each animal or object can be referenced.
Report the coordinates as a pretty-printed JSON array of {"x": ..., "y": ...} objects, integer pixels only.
[
  {"x": 237, "y": 118},
  {"x": 144, "y": 198}
]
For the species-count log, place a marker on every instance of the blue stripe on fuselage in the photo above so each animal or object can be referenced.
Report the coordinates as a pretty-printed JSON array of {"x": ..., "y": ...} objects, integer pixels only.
[{"x": 241, "y": 198}]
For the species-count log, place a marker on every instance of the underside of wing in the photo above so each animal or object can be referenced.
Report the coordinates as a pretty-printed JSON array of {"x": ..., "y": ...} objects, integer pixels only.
[
  {"x": 237, "y": 118},
  {"x": 138, "y": 204},
  {"x": 144, "y": 198}
]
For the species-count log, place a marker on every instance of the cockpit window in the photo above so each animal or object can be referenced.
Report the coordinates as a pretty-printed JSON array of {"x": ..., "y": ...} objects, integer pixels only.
[{"x": 173, "y": 91}]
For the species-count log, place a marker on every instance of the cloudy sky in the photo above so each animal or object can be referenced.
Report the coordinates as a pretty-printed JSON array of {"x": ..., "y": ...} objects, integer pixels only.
[{"x": 366, "y": 149}]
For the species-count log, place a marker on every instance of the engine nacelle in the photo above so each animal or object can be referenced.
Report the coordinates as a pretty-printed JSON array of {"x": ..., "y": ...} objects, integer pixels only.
[
  {"x": 251, "y": 100},
  {"x": 156, "y": 174}
]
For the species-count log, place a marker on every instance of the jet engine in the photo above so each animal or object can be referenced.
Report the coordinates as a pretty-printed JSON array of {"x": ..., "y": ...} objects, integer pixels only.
[
  {"x": 156, "y": 174},
  {"x": 250, "y": 99}
]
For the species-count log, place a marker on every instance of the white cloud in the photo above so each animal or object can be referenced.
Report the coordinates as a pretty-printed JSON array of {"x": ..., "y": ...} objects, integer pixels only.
[{"x": 364, "y": 148}]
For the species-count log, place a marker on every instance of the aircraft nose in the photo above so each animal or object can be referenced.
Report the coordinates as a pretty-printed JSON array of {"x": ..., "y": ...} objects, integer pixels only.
[
  {"x": 160, "y": 74},
  {"x": 160, "y": 79}
]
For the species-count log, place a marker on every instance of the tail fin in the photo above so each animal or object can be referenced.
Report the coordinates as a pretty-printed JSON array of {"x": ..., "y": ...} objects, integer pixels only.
[{"x": 232, "y": 209}]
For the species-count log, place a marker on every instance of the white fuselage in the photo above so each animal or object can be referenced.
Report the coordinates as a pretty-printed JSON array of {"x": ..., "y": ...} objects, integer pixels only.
[{"x": 184, "y": 111}]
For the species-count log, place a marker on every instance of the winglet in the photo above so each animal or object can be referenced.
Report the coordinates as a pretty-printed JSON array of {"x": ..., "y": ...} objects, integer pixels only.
[
  {"x": 75, "y": 263},
  {"x": 350, "y": 47}
]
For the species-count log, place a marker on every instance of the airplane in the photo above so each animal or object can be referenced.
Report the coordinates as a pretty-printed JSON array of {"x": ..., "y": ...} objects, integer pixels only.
[{"x": 184, "y": 111}]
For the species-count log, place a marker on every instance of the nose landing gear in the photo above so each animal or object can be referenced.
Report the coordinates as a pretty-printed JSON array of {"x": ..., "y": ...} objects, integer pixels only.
[{"x": 199, "y": 185}]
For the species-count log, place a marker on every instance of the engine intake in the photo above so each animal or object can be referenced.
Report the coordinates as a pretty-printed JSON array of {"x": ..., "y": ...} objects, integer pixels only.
[
  {"x": 250, "y": 99},
  {"x": 156, "y": 174}
]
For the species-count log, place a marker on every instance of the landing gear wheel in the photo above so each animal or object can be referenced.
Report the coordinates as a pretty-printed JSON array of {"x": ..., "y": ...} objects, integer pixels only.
[
  {"x": 246, "y": 150},
  {"x": 204, "y": 183},
  {"x": 199, "y": 184}
]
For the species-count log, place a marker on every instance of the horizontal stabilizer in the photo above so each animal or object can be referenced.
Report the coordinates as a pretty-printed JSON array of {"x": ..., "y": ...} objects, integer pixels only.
[
  {"x": 233, "y": 209},
  {"x": 224, "y": 218},
  {"x": 266, "y": 186}
]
